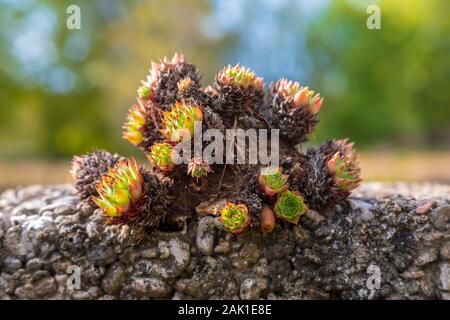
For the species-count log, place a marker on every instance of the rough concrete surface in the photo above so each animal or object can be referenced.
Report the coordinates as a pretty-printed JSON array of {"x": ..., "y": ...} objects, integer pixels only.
[{"x": 387, "y": 242}]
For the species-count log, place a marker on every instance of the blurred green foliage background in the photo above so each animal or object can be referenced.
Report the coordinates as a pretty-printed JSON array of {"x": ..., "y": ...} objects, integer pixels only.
[{"x": 64, "y": 92}]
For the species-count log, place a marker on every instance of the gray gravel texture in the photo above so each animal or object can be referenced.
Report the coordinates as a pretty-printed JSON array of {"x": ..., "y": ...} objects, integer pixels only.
[{"x": 398, "y": 234}]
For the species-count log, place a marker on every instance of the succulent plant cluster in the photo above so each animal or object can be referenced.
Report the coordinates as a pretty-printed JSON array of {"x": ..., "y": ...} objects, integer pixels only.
[{"x": 171, "y": 105}]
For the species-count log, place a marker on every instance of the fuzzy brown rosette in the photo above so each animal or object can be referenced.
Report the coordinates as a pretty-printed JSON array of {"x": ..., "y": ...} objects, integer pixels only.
[
  {"x": 293, "y": 109},
  {"x": 326, "y": 175},
  {"x": 166, "y": 77},
  {"x": 87, "y": 171},
  {"x": 239, "y": 92}
]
